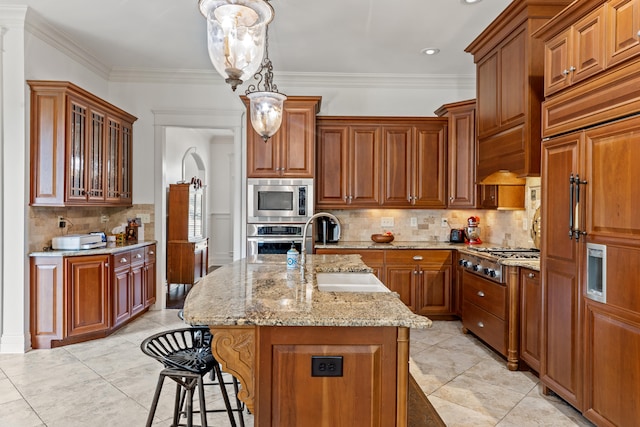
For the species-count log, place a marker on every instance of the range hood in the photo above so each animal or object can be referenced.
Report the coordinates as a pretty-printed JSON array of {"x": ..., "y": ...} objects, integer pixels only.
[{"x": 503, "y": 177}]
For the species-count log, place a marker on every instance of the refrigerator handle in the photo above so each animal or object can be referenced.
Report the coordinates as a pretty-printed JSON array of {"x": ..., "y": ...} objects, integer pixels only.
[
  {"x": 571, "y": 206},
  {"x": 577, "y": 231}
]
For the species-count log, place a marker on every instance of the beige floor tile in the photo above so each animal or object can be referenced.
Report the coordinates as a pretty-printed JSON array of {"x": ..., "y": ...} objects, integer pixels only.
[
  {"x": 20, "y": 364},
  {"x": 43, "y": 379},
  {"x": 455, "y": 415},
  {"x": 8, "y": 392},
  {"x": 18, "y": 413},
  {"x": 534, "y": 411},
  {"x": 496, "y": 373}
]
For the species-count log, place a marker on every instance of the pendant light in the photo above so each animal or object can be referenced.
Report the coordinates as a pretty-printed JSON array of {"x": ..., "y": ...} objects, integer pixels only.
[
  {"x": 236, "y": 35},
  {"x": 265, "y": 102}
]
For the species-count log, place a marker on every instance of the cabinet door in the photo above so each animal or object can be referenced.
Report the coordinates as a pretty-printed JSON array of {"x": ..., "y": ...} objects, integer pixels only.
[
  {"x": 333, "y": 166},
  {"x": 429, "y": 171},
  {"x": 397, "y": 165},
  {"x": 514, "y": 79},
  {"x": 88, "y": 294},
  {"x": 557, "y": 58},
  {"x": 364, "y": 161},
  {"x": 461, "y": 156},
  {"x": 297, "y": 144},
  {"x": 433, "y": 294},
  {"x": 487, "y": 91},
  {"x": 530, "y": 317},
  {"x": 47, "y": 301},
  {"x": 560, "y": 361},
  {"x": 402, "y": 278},
  {"x": 79, "y": 122},
  {"x": 588, "y": 46},
  {"x": 262, "y": 156},
  {"x": 149, "y": 275},
  {"x": 137, "y": 281},
  {"x": 623, "y": 30},
  {"x": 95, "y": 165},
  {"x": 118, "y": 164}
]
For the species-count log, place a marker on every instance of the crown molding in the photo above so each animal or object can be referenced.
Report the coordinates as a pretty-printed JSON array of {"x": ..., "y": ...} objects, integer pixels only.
[
  {"x": 288, "y": 79},
  {"x": 61, "y": 41},
  {"x": 12, "y": 15}
]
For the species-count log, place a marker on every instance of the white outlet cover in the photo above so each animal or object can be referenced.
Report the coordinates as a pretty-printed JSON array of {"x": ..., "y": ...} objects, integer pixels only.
[
  {"x": 414, "y": 221},
  {"x": 386, "y": 221}
]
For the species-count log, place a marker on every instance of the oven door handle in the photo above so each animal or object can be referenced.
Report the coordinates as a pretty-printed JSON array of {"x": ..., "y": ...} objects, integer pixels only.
[{"x": 280, "y": 239}]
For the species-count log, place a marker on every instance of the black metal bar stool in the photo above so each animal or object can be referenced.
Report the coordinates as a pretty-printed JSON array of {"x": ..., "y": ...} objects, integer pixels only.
[{"x": 186, "y": 356}]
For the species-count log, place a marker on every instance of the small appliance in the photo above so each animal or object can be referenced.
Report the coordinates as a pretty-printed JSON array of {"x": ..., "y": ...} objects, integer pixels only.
[
  {"x": 473, "y": 230},
  {"x": 457, "y": 235},
  {"x": 327, "y": 230},
  {"x": 279, "y": 200},
  {"x": 76, "y": 242}
]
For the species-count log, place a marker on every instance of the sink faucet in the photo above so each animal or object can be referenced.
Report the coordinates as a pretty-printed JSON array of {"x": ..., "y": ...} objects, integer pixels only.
[{"x": 303, "y": 248}]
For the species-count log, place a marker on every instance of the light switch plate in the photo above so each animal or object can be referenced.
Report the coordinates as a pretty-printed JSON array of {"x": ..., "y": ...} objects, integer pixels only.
[
  {"x": 414, "y": 221},
  {"x": 145, "y": 218},
  {"x": 386, "y": 221}
]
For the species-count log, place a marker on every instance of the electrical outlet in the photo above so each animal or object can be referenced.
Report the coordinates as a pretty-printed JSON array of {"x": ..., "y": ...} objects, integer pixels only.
[
  {"x": 144, "y": 217},
  {"x": 414, "y": 221},
  {"x": 444, "y": 223},
  {"x": 104, "y": 218},
  {"x": 62, "y": 223},
  {"x": 326, "y": 366},
  {"x": 386, "y": 221},
  {"x": 525, "y": 224}
]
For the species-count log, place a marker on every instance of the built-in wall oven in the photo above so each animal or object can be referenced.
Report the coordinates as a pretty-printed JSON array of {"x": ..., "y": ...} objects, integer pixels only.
[
  {"x": 279, "y": 200},
  {"x": 276, "y": 238}
]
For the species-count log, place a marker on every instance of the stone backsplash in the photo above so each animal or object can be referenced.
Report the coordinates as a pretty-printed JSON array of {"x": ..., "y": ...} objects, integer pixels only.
[{"x": 43, "y": 222}]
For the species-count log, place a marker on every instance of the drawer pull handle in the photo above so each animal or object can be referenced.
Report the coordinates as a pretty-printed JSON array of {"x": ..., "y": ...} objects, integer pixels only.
[
  {"x": 480, "y": 324},
  {"x": 138, "y": 256},
  {"x": 417, "y": 258},
  {"x": 123, "y": 260},
  {"x": 151, "y": 253},
  {"x": 531, "y": 275},
  {"x": 480, "y": 294}
]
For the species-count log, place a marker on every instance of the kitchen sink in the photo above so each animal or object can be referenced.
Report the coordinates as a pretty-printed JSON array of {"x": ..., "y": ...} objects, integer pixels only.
[{"x": 349, "y": 282}]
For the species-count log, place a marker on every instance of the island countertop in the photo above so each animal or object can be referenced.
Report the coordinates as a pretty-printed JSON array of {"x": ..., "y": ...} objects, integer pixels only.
[{"x": 261, "y": 291}]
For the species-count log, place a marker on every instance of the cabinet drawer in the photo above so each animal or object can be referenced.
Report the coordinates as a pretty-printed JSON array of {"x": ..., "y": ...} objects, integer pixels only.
[
  {"x": 137, "y": 256},
  {"x": 408, "y": 256},
  {"x": 150, "y": 253},
  {"x": 486, "y": 326},
  {"x": 485, "y": 294},
  {"x": 122, "y": 260}
]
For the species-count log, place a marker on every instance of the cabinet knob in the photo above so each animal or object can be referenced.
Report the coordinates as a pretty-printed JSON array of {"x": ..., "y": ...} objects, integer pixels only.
[
  {"x": 151, "y": 253},
  {"x": 565, "y": 72},
  {"x": 106, "y": 264},
  {"x": 421, "y": 272},
  {"x": 638, "y": 33},
  {"x": 417, "y": 258},
  {"x": 480, "y": 294},
  {"x": 451, "y": 198},
  {"x": 481, "y": 325},
  {"x": 572, "y": 68},
  {"x": 531, "y": 275}
]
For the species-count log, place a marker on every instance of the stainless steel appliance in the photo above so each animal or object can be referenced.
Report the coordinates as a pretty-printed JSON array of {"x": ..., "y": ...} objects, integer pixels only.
[
  {"x": 457, "y": 235},
  {"x": 327, "y": 230},
  {"x": 485, "y": 262},
  {"x": 275, "y": 238},
  {"x": 279, "y": 200}
]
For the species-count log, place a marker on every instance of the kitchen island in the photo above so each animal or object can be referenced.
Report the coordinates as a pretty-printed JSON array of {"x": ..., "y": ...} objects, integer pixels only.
[{"x": 271, "y": 324}]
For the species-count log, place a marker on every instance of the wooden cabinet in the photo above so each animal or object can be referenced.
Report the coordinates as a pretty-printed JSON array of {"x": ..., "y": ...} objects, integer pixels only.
[
  {"x": 422, "y": 278},
  {"x": 88, "y": 295},
  {"x": 187, "y": 249},
  {"x": 348, "y": 165},
  {"x": 560, "y": 361},
  {"x": 371, "y": 391},
  {"x": 414, "y": 165},
  {"x": 501, "y": 197},
  {"x": 509, "y": 88},
  {"x": 623, "y": 30},
  {"x": 290, "y": 152},
  {"x": 461, "y": 142},
  {"x": 79, "y": 298},
  {"x": 530, "y": 317},
  {"x": 576, "y": 53},
  {"x": 381, "y": 162},
  {"x": 80, "y": 148}
]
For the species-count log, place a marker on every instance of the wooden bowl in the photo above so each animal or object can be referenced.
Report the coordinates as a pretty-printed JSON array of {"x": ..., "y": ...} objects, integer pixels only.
[{"x": 382, "y": 238}]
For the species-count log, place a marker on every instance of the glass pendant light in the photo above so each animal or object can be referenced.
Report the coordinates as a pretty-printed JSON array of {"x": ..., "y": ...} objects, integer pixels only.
[
  {"x": 265, "y": 103},
  {"x": 236, "y": 36}
]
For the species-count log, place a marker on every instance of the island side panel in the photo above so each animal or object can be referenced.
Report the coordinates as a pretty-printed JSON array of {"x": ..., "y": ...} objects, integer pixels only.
[
  {"x": 365, "y": 395},
  {"x": 403, "y": 377}
]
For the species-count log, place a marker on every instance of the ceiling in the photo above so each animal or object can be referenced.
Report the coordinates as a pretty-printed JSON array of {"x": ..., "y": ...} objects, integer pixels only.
[{"x": 332, "y": 37}]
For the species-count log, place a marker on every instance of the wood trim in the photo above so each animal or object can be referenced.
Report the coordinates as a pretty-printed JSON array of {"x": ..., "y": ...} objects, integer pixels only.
[
  {"x": 235, "y": 348},
  {"x": 402, "y": 378}
]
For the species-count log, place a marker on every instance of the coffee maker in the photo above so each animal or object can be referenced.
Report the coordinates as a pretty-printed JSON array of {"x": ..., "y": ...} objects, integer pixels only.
[{"x": 327, "y": 231}]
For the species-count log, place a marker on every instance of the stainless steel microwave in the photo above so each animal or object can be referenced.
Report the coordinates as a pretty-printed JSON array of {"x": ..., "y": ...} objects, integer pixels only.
[{"x": 279, "y": 200}]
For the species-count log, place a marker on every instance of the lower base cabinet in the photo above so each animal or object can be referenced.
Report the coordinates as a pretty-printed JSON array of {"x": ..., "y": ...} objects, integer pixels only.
[
  {"x": 79, "y": 298},
  {"x": 530, "y": 318},
  {"x": 422, "y": 278},
  {"x": 187, "y": 262}
]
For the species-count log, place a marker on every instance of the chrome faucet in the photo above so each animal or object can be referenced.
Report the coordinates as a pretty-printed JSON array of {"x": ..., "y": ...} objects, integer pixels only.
[{"x": 303, "y": 249}]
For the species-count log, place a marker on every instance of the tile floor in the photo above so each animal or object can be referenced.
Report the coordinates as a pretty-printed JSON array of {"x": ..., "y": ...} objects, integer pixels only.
[{"x": 110, "y": 382}]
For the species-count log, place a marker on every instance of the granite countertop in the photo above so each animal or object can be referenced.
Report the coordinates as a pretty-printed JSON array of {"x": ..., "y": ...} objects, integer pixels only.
[
  {"x": 261, "y": 291},
  {"x": 111, "y": 248}
]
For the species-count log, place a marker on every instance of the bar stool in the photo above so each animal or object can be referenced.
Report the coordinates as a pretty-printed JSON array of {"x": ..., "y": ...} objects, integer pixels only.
[{"x": 186, "y": 356}]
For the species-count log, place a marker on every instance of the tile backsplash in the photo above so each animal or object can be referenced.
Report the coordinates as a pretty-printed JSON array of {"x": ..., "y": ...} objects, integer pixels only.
[
  {"x": 498, "y": 228},
  {"x": 43, "y": 222}
]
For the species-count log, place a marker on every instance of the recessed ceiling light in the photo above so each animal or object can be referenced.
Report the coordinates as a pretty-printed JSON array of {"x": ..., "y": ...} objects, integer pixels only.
[
  {"x": 430, "y": 50},
  {"x": 470, "y": 1}
]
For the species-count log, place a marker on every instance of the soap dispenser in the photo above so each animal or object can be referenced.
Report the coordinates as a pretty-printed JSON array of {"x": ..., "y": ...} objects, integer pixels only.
[{"x": 292, "y": 257}]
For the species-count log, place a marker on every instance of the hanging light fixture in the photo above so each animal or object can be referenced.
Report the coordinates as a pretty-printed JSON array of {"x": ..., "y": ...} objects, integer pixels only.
[
  {"x": 265, "y": 102},
  {"x": 236, "y": 35}
]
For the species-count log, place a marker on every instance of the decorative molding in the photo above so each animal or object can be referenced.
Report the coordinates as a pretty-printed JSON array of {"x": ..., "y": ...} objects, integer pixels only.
[
  {"x": 198, "y": 117},
  {"x": 42, "y": 29},
  {"x": 235, "y": 348}
]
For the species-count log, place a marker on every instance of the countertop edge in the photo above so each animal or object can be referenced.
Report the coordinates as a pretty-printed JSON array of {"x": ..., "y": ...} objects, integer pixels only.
[{"x": 111, "y": 248}]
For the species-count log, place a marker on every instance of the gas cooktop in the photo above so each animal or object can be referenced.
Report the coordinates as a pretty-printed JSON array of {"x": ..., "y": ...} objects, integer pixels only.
[{"x": 511, "y": 253}]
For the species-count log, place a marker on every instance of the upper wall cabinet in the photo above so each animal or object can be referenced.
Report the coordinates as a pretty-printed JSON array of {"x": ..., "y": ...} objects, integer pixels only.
[
  {"x": 80, "y": 148},
  {"x": 395, "y": 162},
  {"x": 290, "y": 152},
  {"x": 598, "y": 39},
  {"x": 509, "y": 88}
]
